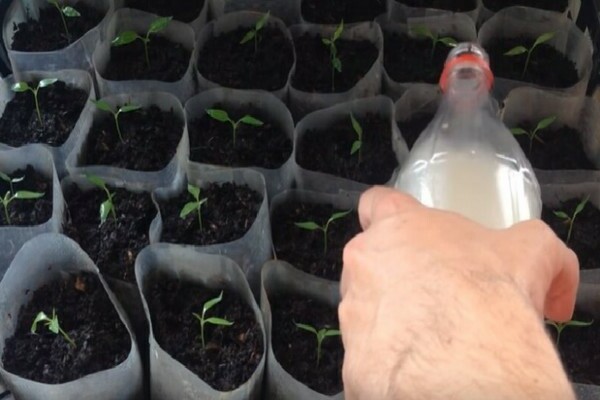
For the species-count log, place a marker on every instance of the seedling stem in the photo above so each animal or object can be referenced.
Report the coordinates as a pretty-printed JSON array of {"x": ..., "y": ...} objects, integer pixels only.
[{"x": 212, "y": 320}]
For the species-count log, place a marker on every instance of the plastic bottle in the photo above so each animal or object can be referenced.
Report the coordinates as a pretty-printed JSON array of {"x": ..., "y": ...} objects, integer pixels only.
[{"x": 466, "y": 160}]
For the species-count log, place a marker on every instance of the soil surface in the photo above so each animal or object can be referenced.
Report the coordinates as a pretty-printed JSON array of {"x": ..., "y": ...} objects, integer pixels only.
[
  {"x": 185, "y": 11},
  {"x": 553, "y": 5},
  {"x": 296, "y": 349},
  {"x": 333, "y": 11},
  {"x": 313, "y": 64},
  {"x": 411, "y": 129},
  {"x": 49, "y": 34},
  {"x": 114, "y": 245},
  {"x": 561, "y": 148},
  {"x": 150, "y": 139},
  {"x": 243, "y": 66},
  {"x": 231, "y": 353},
  {"x": 304, "y": 249},
  {"x": 86, "y": 314},
  {"x": 168, "y": 61},
  {"x": 265, "y": 146},
  {"x": 228, "y": 213},
  {"x": 27, "y": 212},
  {"x": 328, "y": 150},
  {"x": 60, "y": 108},
  {"x": 585, "y": 236},
  {"x": 561, "y": 74},
  {"x": 452, "y": 5}
]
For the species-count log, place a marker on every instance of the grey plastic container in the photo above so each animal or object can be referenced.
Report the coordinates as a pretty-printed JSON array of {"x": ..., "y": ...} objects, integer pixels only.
[
  {"x": 40, "y": 261},
  {"x": 74, "y": 78},
  {"x": 571, "y": 11},
  {"x": 302, "y": 103},
  {"x": 251, "y": 250},
  {"x": 288, "y": 10},
  {"x": 165, "y": 102},
  {"x": 170, "y": 378},
  {"x": 276, "y": 179},
  {"x": 130, "y": 19},
  {"x": 12, "y": 238},
  {"x": 279, "y": 277},
  {"x": 580, "y": 113},
  {"x": 400, "y": 12},
  {"x": 322, "y": 119},
  {"x": 78, "y": 55}
]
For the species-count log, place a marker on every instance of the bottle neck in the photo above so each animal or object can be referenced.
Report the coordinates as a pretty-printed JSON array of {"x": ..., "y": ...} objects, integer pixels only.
[{"x": 467, "y": 87}]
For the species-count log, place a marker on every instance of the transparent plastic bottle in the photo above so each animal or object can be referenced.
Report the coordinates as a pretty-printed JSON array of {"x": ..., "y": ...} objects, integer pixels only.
[{"x": 466, "y": 160}]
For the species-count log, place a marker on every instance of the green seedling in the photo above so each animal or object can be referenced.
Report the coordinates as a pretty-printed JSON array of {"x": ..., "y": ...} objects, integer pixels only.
[
  {"x": 11, "y": 195},
  {"x": 336, "y": 63},
  {"x": 222, "y": 116},
  {"x": 108, "y": 206},
  {"x": 518, "y": 50},
  {"x": 125, "y": 108},
  {"x": 320, "y": 334},
  {"x": 128, "y": 37},
  {"x": 20, "y": 87},
  {"x": 254, "y": 33},
  {"x": 533, "y": 134},
  {"x": 424, "y": 32},
  {"x": 194, "y": 205},
  {"x": 570, "y": 219},
  {"x": 65, "y": 11},
  {"x": 211, "y": 320},
  {"x": 357, "y": 144},
  {"x": 52, "y": 324},
  {"x": 313, "y": 226},
  {"x": 560, "y": 326}
]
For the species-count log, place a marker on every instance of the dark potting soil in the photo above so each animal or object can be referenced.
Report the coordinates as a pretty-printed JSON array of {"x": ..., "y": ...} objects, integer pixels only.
[
  {"x": 265, "y": 146},
  {"x": 114, "y": 245},
  {"x": 452, "y": 5},
  {"x": 411, "y": 129},
  {"x": 333, "y": 11},
  {"x": 553, "y": 5},
  {"x": 231, "y": 353},
  {"x": 27, "y": 212},
  {"x": 579, "y": 350},
  {"x": 412, "y": 59},
  {"x": 313, "y": 64},
  {"x": 305, "y": 249},
  {"x": 328, "y": 150},
  {"x": 150, "y": 139},
  {"x": 185, "y": 11},
  {"x": 547, "y": 66},
  {"x": 168, "y": 61},
  {"x": 585, "y": 236},
  {"x": 48, "y": 34},
  {"x": 86, "y": 314},
  {"x": 60, "y": 107},
  {"x": 228, "y": 213},
  {"x": 296, "y": 349},
  {"x": 561, "y": 148},
  {"x": 225, "y": 61}
]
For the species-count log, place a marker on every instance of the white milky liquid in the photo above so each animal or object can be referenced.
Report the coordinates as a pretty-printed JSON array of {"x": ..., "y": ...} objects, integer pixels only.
[{"x": 483, "y": 188}]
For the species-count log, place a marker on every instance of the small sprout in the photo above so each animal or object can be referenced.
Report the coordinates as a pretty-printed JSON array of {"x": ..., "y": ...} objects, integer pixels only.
[
  {"x": 222, "y": 116},
  {"x": 336, "y": 63},
  {"x": 518, "y": 50},
  {"x": 570, "y": 219},
  {"x": 11, "y": 195},
  {"x": 127, "y": 37},
  {"x": 108, "y": 206},
  {"x": 212, "y": 320},
  {"x": 254, "y": 33},
  {"x": 423, "y": 31},
  {"x": 533, "y": 135},
  {"x": 125, "y": 108},
  {"x": 357, "y": 145},
  {"x": 52, "y": 324},
  {"x": 313, "y": 226},
  {"x": 320, "y": 334},
  {"x": 65, "y": 11},
  {"x": 20, "y": 87},
  {"x": 193, "y": 205},
  {"x": 560, "y": 326}
]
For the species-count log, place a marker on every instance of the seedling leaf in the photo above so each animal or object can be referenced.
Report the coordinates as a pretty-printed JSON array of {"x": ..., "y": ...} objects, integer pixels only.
[
  {"x": 41, "y": 316},
  {"x": 129, "y": 107},
  {"x": 519, "y": 131},
  {"x": 47, "y": 82},
  {"x": 449, "y": 41},
  {"x": 218, "y": 321},
  {"x": 248, "y": 37},
  {"x": 338, "y": 31},
  {"x": 211, "y": 303},
  {"x": 356, "y": 126},
  {"x": 306, "y": 327},
  {"x": 20, "y": 87},
  {"x": 562, "y": 215},
  {"x": 332, "y": 332},
  {"x": 339, "y": 215},
  {"x": 194, "y": 191},
  {"x": 337, "y": 64},
  {"x": 355, "y": 147},
  {"x": 125, "y": 38},
  {"x": 326, "y": 41},
  {"x": 159, "y": 24},
  {"x": 261, "y": 22},
  {"x": 70, "y": 12},
  {"x": 26, "y": 195},
  {"x": 422, "y": 30},
  {"x": 250, "y": 120},
  {"x": 546, "y": 122},
  {"x": 543, "y": 38},
  {"x": 219, "y": 115},
  {"x": 105, "y": 209},
  {"x": 309, "y": 225},
  {"x": 515, "y": 51},
  {"x": 187, "y": 209},
  {"x": 5, "y": 177},
  {"x": 96, "y": 181},
  {"x": 102, "y": 105}
]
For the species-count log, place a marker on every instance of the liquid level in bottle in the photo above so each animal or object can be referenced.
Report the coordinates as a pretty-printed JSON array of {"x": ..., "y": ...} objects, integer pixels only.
[{"x": 482, "y": 187}]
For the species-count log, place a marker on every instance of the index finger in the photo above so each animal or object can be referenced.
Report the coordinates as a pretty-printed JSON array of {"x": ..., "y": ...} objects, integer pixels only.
[{"x": 382, "y": 202}]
